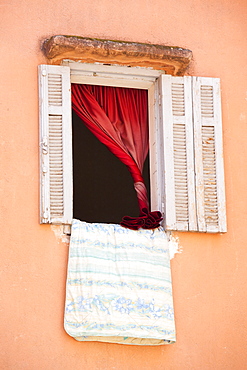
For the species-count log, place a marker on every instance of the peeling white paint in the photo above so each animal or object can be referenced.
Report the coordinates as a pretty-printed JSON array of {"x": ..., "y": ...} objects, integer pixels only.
[
  {"x": 242, "y": 117},
  {"x": 20, "y": 336},
  {"x": 174, "y": 246},
  {"x": 58, "y": 230},
  {"x": 59, "y": 234},
  {"x": 195, "y": 295}
]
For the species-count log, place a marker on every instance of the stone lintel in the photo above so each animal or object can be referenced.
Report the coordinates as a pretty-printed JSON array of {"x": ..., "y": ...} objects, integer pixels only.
[{"x": 173, "y": 60}]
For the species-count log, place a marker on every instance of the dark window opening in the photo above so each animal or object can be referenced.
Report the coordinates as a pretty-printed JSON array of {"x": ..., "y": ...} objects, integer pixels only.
[{"x": 102, "y": 185}]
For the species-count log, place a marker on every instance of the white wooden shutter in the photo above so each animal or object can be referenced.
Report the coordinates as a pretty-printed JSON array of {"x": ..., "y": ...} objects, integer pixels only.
[
  {"x": 55, "y": 145},
  {"x": 179, "y": 178},
  {"x": 210, "y": 187},
  {"x": 191, "y": 128},
  {"x": 155, "y": 150}
]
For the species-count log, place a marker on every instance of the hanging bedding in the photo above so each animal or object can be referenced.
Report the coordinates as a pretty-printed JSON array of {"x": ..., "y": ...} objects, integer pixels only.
[{"x": 118, "y": 286}]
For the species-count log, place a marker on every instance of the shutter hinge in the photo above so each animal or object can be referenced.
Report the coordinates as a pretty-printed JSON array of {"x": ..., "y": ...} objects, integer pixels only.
[
  {"x": 163, "y": 207},
  {"x": 159, "y": 99},
  {"x": 45, "y": 217},
  {"x": 44, "y": 145}
]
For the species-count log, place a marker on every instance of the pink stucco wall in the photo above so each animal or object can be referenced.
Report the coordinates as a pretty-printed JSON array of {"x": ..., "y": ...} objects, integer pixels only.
[{"x": 209, "y": 275}]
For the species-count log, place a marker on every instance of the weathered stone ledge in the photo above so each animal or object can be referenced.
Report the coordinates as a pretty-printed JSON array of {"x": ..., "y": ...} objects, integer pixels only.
[{"x": 173, "y": 60}]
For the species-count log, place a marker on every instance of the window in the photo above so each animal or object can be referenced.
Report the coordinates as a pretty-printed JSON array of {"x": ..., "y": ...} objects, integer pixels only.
[
  {"x": 103, "y": 188},
  {"x": 186, "y": 162}
]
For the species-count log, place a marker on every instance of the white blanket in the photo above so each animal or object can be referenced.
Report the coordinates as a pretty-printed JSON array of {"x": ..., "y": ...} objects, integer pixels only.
[{"x": 119, "y": 285}]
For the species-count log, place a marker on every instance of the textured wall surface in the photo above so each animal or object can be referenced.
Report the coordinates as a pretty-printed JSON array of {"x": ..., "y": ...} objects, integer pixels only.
[{"x": 209, "y": 275}]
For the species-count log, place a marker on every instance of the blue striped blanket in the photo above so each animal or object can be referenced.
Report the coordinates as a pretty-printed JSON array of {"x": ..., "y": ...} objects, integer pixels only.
[{"x": 118, "y": 286}]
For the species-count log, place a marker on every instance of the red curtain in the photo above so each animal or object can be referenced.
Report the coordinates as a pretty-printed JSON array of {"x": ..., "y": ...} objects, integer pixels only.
[{"x": 118, "y": 117}]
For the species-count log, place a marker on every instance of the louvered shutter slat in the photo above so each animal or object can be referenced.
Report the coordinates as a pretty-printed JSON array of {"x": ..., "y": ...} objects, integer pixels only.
[
  {"x": 56, "y": 145},
  {"x": 210, "y": 188},
  {"x": 179, "y": 186}
]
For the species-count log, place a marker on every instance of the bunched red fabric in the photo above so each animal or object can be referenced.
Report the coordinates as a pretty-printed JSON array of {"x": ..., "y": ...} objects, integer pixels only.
[
  {"x": 118, "y": 117},
  {"x": 146, "y": 220}
]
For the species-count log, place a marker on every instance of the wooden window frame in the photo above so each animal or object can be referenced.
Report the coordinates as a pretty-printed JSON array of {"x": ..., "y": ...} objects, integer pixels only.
[{"x": 164, "y": 113}]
